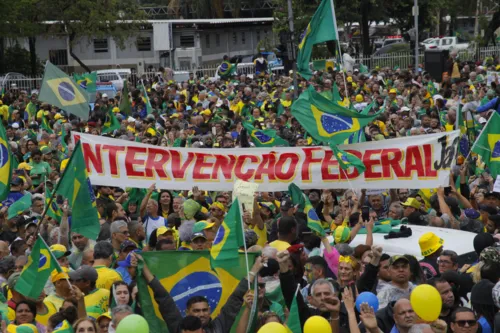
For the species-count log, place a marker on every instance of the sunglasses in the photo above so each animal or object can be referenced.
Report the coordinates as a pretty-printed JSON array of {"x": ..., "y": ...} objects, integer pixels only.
[{"x": 461, "y": 323}]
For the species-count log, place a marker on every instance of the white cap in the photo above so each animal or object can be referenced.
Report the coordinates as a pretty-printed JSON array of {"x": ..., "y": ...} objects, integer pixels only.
[
  {"x": 131, "y": 119},
  {"x": 405, "y": 109},
  {"x": 104, "y": 95},
  {"x": 482, "y": 120},
  {"x": 15, "y": 125}
]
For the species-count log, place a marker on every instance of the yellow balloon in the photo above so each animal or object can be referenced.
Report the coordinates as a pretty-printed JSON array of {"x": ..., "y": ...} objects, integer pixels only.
[
  {"x": 317, "y": 324},
  {"x": 273, "y": 328},
  {"x": 426, "y": 302}
]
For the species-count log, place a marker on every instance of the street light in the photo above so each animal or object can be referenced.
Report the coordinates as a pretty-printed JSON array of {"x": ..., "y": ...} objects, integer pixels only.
[{"x": 447, "y": 19}]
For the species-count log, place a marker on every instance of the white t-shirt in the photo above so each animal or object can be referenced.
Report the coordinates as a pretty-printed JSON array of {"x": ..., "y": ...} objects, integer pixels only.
[{"x": 151, "y": 224}]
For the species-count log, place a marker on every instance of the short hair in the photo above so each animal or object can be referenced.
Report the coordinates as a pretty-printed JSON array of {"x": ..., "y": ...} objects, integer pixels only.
[
  {"x": 269, "y": 252},
  {"x": 286, "y": 224},
  {"x": 490, "y": 271},
  {"x": 190, "y": 323},
  {"x": 452, "y": 254},
  {"x": 120, "y": 309},
  {"x": 103, "y": 250},
  {"x": 385, "y": 257},
  {"x": 434, "y": 281},
  {"x": 399, "y": 209},
  {"x": 117, "y": 225},
  {"x": 319, "y": 262},
  {"x": 110, "y": 208},
  {"x": 17, "y": 245},
  {"x": 194, "y": 300},
  {"x": 459, "y": 310},
  {"x": 321, "y": 282},
  {"x": 159, "y": 244},
  {"x": 133, "y": 227}
]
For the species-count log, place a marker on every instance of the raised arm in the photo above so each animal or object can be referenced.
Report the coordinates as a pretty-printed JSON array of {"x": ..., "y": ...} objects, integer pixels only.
[{"x": 144, "y": 202}]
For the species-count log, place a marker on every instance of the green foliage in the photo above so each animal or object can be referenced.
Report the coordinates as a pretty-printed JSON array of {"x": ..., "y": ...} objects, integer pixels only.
[{"x": 17, "y": 59}]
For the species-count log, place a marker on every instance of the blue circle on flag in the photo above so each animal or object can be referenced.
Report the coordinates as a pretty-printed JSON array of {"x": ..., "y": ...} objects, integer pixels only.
[
  {"x": 4, "y": 154},
  {"x": 262, "y": 136},
  {"x": 43, "y": 260},
  {"x": 496, "y": 150},
  {"x": 335, "y": 123},
  {"x": 66, "y": 91},
  {"x": 197, "y": 284},
  {"x": 221, "y": 232}
]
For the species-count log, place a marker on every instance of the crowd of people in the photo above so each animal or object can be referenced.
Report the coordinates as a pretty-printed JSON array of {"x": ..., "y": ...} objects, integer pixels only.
[{"x": 208, "y": 113}]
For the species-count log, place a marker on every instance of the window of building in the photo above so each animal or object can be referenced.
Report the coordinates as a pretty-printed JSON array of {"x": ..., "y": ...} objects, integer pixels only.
[
  {"x": 187, "y": 41},
  {"x": 101, "y": 45},
  {"x": 207, "y": 40},
  {"x": 217, "y": 40},
  {"x": 243, "y": 37},
  {"x": 258, "y": 35},
  {"x": 235, "y": 38},
  {"x": 58, "y": 57},
  {"x": 144, "y": 44}
]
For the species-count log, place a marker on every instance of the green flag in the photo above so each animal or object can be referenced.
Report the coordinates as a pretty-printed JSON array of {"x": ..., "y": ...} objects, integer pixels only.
[
  {"x": 63, "y": 141},
  {"x": 327, "y": 121},
  {"x": 347, "y": 160},
  {"x": 149, "y": 108},
  {"x": 322, "y": 28},
  {"x": 228, "y": 240},
  {"x": 135, "y": 195},
  {"x": 41, "y": 263},
  {"x": 19, "y": 207},
  {"x": 313, "y": 221},
  {"x": 31, "y": 109},
  {"x": 75, "y": 186},
  {"x": 53, "y": 210},
  {"x": 125, "y": 106},
  {"x": 186, "y": 275},
  {"x": 264, "y": 138},
  {"x": 6, "y": 167},
  {"x": 45, "y": 124},
  {"x": 111, "y": 123},
  {"x": 64, "y": 327},
  {"x": 58, "y": 89},
  {"x": 86, "y": 81},
  {"x": 363, "y": 69},
  {"x": 293, "y": 322},
  {"x": 487, "y": 145}
]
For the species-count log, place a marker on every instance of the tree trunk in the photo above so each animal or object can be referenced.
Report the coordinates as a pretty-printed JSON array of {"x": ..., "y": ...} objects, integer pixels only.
[
  {"x": 489, "y": 34},
  {"x": 71, "y": 40},
  {"x": 365, "y": 29},
  {"x": 32, "y": 47}
]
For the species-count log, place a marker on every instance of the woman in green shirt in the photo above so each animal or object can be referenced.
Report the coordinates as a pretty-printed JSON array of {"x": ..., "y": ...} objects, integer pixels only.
[{"x": 40, "y": 169}]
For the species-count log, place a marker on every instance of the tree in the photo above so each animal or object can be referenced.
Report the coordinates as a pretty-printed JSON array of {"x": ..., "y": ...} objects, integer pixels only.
[
  {"x": 17, "y": 59},
  {"x": 118, "y": 19}
]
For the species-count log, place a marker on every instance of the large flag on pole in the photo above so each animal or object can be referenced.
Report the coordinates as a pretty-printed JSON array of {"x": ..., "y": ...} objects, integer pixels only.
[
  {"x": 264, "y": 138},
  {"x": 322, "y": 28},
  {"x": 299, "y": 198},
  {"x": 87, "y": 81},
  {"x": 487, "y": 145},
  {"x": 58, "y": 89},
  {"x": 5, "y": 164}
]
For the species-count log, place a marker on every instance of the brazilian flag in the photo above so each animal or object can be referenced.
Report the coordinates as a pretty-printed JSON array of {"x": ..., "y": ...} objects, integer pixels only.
[
  {"x": 59, "y": 90},
  {"x": 188, "y": 274},
  {"x": 264, "y": 138},
  {"x": 64, "y": 327},
  {"x": 487, "y": 145},
  {"x": 149, "y": 107},
  {"x": 31, "y": 109},
  {"x": 41, "y": 263},
  {"x": 300, "y": 199},
  {"x": 327, "y": 121},
  {"x": 45, "y": 124},
  {"x": 5, "y": 164},
  {"x": 53, "y": 209},
  {"x": 322, "y": 28},
  {"x": 87, "y": 81},
  {"x": 347, "y": 160},
  {"x": 19, "y": 206},
  {"x": 111, "y": 123},
  {"x": 75, "y": 186}
]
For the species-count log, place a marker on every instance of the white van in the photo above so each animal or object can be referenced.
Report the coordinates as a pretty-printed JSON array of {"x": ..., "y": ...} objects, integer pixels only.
[{"x": 115, "y": 76}]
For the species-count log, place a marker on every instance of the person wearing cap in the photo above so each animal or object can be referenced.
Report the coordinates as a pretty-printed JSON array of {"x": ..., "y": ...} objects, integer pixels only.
[
  {"x": 103, "y": 258},
  {"x": 199, "y": 241},
  {"x": 103, "y": 322},
  {"x": 207, "y": 228},
  {"x": 431, "y": 247},
  {"x": 61, "y": 284},
  {"x": 126, "y": 263},
  {"x": 96, "y": 299},
  {"x": 400, "y": 285},
  {"x": 61, "y": 253},
  {"x": 411, "y": 205}
]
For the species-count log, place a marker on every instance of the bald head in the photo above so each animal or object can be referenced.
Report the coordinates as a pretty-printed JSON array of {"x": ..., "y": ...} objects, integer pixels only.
[
  {"x": 4, "y": 249},
  {"x": 404, "y": 317}
]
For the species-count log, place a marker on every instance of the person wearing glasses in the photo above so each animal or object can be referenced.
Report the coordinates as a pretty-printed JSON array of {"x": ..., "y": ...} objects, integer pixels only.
[
  {"x": 463, "y": 320},
  {"x": 447, "y": 261},
  {"x": 119, "y": 234}
]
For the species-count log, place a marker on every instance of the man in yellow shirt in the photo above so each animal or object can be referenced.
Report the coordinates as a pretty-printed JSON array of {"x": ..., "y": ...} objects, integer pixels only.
[
  {"x": 103, "y": 257},
  {"x": 96, "y": 299},
  {"x": 61, "y": 283},
  {"x": 287, "y": 233}
]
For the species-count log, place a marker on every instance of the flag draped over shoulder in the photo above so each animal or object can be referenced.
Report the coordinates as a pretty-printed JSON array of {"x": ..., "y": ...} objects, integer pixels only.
[
  {"x": 321, "y": 28},
  {"x": 313, "y": 221},
  {"x": 5, "y": 164},
  {"x": 347, "y": 160},
  {"x": 58, "y": 89},
  {"x": 188, "y": 274},
  {"x": 41, "y": 263},
  {"x": 87, "y": 81},
  {"x": 228, "y": 240},
  {"x": 264, "y": 138},
  {"x": 327, "y": 121},
  {"x": 487, "y": 145},
  {"x": 75, "y": 186}
]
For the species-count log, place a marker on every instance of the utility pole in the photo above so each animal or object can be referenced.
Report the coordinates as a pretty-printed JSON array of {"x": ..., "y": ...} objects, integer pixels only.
[
  {"x": 291, "y": 48},
  {"x": 415, "y": 14}
]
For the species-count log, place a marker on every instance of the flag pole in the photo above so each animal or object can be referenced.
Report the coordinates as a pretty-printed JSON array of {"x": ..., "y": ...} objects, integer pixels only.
[
  {"x": 334, "y": 18},
  {"x": 54, "y": 258},
  {"x": 479, "y": 136},
  {"x": 245, "y": 245}
]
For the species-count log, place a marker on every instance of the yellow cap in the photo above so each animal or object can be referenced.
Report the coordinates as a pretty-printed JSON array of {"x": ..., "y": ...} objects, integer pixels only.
[
  {"x": 349, "y": 79},
  {"x": 116, "y": 109},
  {"x": 206, "y": 112},
  {"x": 429, "y": 243},
  {"x": 393, "y": 91},
  {"x": 56, "y": 276},
  {"x": 412, "y": 202},
  {"x": 175, "y": 115},
  {"x": 24, "y": 166},
  {"x": 163, "y": 230},
  {"x": 354, "y": 85},
  {"x": 58, "y": 116},
  {"x": 359, "y": 98}
]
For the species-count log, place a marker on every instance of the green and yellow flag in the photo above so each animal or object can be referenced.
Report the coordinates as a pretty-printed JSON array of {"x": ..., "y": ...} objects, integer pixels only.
[
  {"x": 299, "y": 198},
  {"x": 326, "y": 120},
  {"x": 149, "y": 108},
  {"x": 347, "y": 160},
  {"x": 41, "y": 263},
  {"x": 64, "y": 327},
  {"x": 5, "y": 164},
  {"x": 75, "y": 186},
  {"x": 53, "y": 209},
  {"x": 228, "y": 240},
  {"x": 86, "y": 81},
  {"x": 31, "y": 109},
  {"x": 111, "y": 123},
  {"x": 187, "y": 275},
  {"x": 58, "y": 89},
  {"x": 487, "y": 145},
  {"x": 264, "y": 138},
  {"x": 45, "y": 124},
  {"x": 322, "y": 28},
  {"x": 20, "y": 206}
]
